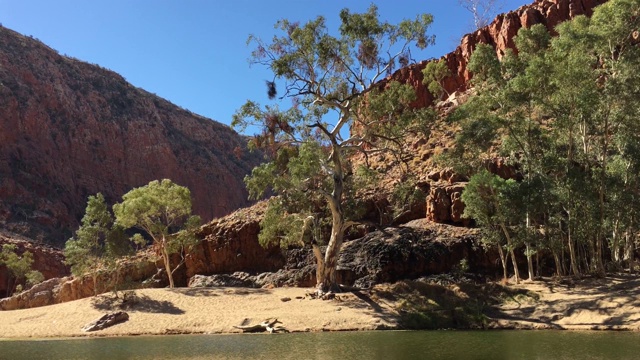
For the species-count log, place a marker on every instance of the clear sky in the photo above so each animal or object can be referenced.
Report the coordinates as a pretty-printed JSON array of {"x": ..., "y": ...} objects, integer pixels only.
[{"x": 194, "y": 52}]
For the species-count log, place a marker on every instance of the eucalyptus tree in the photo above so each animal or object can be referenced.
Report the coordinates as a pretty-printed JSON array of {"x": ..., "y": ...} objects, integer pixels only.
[
  {"x": 19, "y": 267},
  {"x": 97, "y": 244},
  {"x": 162, "y": 209},
  {"x": 341, "y": 105},
  {"x": 493, "y": 203}
]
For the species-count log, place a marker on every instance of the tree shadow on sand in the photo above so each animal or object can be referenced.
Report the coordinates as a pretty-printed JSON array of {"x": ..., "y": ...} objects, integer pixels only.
[
  {"x": 217, "y": 291},
  {"x": 386, "y": 316},
  {"x": 130, "y": 301},
  {"x": 588, "y": 303}
]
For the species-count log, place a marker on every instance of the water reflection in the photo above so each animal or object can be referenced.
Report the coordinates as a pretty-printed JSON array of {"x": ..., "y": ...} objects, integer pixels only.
[{"x": 352, "y": 345}]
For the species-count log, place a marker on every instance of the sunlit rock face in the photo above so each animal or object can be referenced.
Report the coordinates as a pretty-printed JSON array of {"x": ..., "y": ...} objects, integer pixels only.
[
  {"x": 69, "y": 129},
  {"x": 500, "y": 34}
]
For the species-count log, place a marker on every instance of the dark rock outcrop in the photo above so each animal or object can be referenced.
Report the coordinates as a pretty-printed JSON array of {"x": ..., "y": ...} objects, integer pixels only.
[
  {"x": 410, "y": 251},
  {"x": 69, "y": 129}
]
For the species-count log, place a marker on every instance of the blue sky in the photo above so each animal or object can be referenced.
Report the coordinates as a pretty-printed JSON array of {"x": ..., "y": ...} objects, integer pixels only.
[{"x": 194, "y": 52}]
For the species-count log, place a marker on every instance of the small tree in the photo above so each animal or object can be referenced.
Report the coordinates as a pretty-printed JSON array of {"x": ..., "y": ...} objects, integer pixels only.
[
  {"x": 434, "y": 73},
  {"x": 97, "y": 244},
  {"x": 327, "y": 75},
  {"x": 19, "y": 267},
  {"x": 162, "y": 210},
  {"x": 492, "y": 202},
  {"x": 481, "y": 10}
]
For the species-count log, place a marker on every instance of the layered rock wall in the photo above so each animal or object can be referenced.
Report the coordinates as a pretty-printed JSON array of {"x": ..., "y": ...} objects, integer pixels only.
[
  {"x": 231, "y": 244},
  {"x": 69, "y": 129},
  {"x": 500, "y": 34},
  {"x": 47, "y": 260}
]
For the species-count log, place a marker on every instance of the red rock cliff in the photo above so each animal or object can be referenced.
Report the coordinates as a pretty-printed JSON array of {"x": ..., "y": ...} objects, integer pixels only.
[
  {"x": 47, "y": 260},
  {"x": 499, "y": 34},
  {"x": 69, "y": 129}
]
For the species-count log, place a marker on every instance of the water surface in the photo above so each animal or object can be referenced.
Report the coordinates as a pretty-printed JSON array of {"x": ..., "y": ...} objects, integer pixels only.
[{"x": 341, "y": 345}]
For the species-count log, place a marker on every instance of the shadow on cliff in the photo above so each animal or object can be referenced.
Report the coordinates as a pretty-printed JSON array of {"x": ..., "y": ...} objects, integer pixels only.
[{"x": 131, "y": 301}]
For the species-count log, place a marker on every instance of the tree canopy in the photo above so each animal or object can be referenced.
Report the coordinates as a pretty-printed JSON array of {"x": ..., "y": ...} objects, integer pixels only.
[
  {"x": 98, "y": 242},
  {"x": 564, "y": 111},
  {"x": 162, "y": 209},
  {"x": 341, "y": 104}
]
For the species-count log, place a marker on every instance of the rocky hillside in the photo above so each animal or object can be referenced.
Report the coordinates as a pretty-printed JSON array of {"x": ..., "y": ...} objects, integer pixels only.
[
  {"x": 499, "y": 34},
  {"x": 443, "y": 187},
  {"x": 131, "y": 127},
  {"x": 69, "y": 129}
]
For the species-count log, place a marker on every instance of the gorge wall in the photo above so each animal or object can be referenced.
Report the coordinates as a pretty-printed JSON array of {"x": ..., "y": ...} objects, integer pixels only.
[
  {"x": 69, "y": 129},
  {"x": 500, "y": 34}
]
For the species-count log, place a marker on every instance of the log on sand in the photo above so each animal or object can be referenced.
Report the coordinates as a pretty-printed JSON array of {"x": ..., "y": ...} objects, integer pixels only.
[
  {"x": 269, "y": 325},
  {"x": 106, "y": 320}
]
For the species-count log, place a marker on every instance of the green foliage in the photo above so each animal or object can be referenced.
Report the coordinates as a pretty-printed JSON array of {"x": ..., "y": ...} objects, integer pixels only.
[
  {"x": 33, "y": 277},
  {"x": 490, "y": 199},
  {"x": 97, "y": 243},
  {"x": 19, "y": 267},
  {"x": 278, "y": 227},
  {"x": 565, "y": 110},
  {"x": 161, "y": 209},
  {"x": 485, "y": 66},
  {"x": 434, "y": 73}
]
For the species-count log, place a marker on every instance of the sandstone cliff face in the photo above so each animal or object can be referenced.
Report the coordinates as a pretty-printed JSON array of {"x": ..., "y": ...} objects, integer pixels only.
[
  {"x": 139, "y": 271},
  {"x": 47, "y": 260},
  {"x": 499, "y": 34},
  {"x": 231, "y": 244},
  {"x": 69, "y": 129},
  {"x": 444, "y": 204}
]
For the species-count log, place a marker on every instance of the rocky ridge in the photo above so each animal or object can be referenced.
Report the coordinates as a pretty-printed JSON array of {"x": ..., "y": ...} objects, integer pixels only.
[
  {"x": 69, "y": 129},
  {"x": 499, "y": 34}
]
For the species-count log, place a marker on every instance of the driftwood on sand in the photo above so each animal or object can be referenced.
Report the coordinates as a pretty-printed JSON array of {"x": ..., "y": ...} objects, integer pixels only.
[
  {"x": 269, "y": 325},
  {"x": 106, "y": 320}
]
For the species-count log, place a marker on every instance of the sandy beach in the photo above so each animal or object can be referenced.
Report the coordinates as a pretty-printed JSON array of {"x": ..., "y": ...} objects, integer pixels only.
[
  {"x": 611, "y": 303},
  {"x": 197, "y": 310}
]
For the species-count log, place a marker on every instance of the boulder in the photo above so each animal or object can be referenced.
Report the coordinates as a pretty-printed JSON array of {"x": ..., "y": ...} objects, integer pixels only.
[{"x": 444, "y": 204}]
